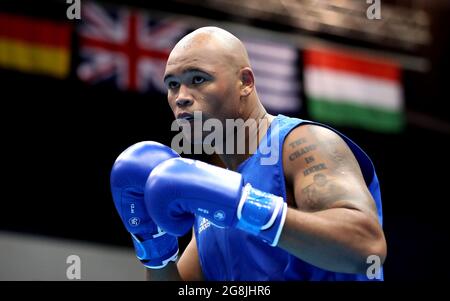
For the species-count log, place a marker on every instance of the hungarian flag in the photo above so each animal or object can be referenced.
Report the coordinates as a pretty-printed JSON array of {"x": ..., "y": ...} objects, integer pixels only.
[
  {"x": 349, "y": 90},
  {"x": 35, "y": 45}
]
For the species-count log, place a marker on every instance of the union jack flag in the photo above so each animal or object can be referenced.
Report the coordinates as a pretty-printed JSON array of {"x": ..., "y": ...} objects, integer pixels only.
[{"x": 125, "y": 46}]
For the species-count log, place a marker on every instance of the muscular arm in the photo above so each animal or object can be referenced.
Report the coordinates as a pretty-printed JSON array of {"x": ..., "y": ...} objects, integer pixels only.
[
  {"x": 186, "y": 269},
  {"x": 332, "y": 221}
]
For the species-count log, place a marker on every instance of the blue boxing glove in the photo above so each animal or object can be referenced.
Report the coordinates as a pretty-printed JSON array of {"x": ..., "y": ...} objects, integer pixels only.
[
  {"x": 154, "y": 248},
  {"x": 178, "y": 189}
]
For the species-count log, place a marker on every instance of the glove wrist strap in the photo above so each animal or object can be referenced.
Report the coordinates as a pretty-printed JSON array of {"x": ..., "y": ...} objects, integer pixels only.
[
  {"x": 157, "y": 252},
  {"x": 261, "y": 214}
]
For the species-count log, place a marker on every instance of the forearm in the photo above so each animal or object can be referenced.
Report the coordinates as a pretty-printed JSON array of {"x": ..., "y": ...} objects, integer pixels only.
[
  {"x": 168, "y": 273},
  {"x": 336, "y": 239}
]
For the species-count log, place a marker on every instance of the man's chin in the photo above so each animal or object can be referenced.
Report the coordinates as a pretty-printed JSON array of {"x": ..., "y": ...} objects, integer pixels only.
[{"x": 195, "y": 139}]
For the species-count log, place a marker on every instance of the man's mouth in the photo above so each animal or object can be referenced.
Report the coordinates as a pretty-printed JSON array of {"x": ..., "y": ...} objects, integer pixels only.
[{"x": 185, "y": 117}]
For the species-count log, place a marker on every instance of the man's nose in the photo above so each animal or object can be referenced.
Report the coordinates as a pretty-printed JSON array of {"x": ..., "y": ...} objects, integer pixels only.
[
  {"x": 184, "y": 98},
  {"x": 183, "y": 102}
]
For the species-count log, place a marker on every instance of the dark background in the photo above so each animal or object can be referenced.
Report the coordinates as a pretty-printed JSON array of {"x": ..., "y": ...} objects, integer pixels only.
[{"x": 60, "y": 139}]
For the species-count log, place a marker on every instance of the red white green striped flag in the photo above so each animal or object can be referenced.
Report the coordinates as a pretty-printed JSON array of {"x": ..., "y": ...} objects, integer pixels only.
[{"x": 348, "y": 90}]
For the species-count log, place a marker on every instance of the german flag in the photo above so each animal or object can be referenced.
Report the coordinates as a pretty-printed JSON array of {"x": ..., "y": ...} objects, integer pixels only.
[{"x": 35, "y": 45}]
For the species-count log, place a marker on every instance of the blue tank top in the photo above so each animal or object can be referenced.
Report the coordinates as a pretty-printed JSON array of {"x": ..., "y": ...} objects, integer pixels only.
[{"x": 231, "y": 254}]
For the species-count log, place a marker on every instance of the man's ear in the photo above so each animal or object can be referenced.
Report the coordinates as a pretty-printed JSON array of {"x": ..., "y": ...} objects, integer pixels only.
[{"x": 248, "y": 81}]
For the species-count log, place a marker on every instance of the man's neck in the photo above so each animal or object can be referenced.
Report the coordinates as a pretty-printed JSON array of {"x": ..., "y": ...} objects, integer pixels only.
[{"x": 262, "y": 120}]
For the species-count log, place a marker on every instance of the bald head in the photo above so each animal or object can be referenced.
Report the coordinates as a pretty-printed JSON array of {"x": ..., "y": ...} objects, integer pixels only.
[
  {"x": 209, "y": 71},
  {"x": 221, "y": 43}
]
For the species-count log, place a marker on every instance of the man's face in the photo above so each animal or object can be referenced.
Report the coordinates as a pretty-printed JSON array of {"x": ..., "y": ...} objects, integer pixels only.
[{"x": 200, "y": 78}]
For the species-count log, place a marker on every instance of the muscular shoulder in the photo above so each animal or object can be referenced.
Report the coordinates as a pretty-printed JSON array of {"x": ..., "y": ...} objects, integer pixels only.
[
  {"x": 314, "y": 148},
  {"x": 321, "y": 168}
]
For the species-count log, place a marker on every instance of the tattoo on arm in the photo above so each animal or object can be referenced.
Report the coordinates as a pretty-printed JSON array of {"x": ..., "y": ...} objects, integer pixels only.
[
  {"x": 309, "y": 159},
  {"x": 335, "y": 149},
  {"x": 321, "y": 194},
  {"x": 297, "y": 142},
  {"x": 322, "y": 156},
  {"x": 314, "y": 168},
  {"x": 300, "y": 152}
]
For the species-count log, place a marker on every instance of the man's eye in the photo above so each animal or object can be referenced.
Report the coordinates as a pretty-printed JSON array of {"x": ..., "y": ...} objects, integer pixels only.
[
  {"x": 172, "y": 85},
  {"x": 198, "y": 80}
]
